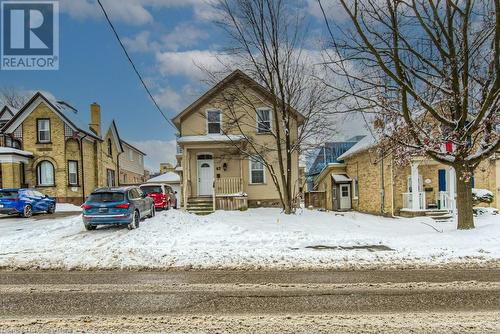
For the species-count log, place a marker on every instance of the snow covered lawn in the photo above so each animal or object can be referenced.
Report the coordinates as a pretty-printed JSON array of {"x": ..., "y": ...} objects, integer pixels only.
[{"x": 259, "y": 238}]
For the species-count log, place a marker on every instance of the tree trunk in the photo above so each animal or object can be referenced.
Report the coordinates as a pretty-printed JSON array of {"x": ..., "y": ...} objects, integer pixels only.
[{"x": 464, "y": 202}]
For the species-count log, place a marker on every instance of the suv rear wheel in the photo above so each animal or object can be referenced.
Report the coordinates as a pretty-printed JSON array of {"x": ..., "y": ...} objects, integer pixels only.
[
  {"x": 135, "y": 221},
  {"x": 27, "y": 211}
]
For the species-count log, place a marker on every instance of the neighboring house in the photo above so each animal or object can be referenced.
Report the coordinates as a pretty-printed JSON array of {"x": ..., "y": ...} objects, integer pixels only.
[
  {"x": 173, "y": 180},
  {"x": 166, "y": 167},
  {"x": 131, "y": 165},
  {"x": 211, "y": 162},
  {"x": 365, "y": 181},
  {"x": 53, "y": 150},
  {"x": 328, "y": 154}
]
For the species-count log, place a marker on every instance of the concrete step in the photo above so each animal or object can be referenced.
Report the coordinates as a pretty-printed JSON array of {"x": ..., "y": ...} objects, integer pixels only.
[
  {"x": 437, "y": 213},
  {"x": 442, "y": 218}
]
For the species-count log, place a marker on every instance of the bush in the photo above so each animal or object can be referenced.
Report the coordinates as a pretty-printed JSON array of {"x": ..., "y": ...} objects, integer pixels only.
[{"x": 482, "y": 196}]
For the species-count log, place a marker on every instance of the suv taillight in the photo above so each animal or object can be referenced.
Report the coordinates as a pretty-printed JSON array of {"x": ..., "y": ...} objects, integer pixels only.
[
  {"x": 123, "y": 206},
  {"x": 86, "y": 206}
]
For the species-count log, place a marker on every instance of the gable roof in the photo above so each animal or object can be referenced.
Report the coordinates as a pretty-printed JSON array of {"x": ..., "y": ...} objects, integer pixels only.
[
  {"x": 66, "y": 112},
  {"x": 166, "y": 177},
  {"x": 133, "y": 147},
  {"x": 236, "y": 74},
  {"x": 116, "y": 135}
]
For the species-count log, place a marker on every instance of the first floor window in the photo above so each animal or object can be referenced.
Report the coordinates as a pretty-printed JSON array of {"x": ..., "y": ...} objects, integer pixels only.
[
  {"x": 263, "y": 120},
  {"x": 45, "y": 173},
  {"x": 73, "y": 172},
  {"x": 43, "y": 130},
  {"x": 213, "y": 121},
  {"x": 111, "y": 178},
  {"x": 256, "y": 171}
]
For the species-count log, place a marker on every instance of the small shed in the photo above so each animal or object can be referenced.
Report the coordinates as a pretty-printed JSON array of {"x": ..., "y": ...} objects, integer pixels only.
[{"x": 171, "y": 179}]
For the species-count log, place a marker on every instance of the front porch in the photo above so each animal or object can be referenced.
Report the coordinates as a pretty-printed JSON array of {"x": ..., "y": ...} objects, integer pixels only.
[
  {"x": 430, "y": 189},
  {"x": 213, "y": 179}
]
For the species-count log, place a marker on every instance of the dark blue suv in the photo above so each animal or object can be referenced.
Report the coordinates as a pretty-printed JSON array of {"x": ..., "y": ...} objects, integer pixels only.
[
  {"x": 117, "y": 206},
  {"x": 25, "y": 202}
]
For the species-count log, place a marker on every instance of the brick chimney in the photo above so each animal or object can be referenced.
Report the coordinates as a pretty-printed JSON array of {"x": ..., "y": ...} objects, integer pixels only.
[{"x": 95, "y": 118}]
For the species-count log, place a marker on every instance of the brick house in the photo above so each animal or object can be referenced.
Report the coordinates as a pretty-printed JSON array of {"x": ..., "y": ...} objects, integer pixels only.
[
  {"x": 364, "y": 181},
  {"x": 48, "y": 147}
]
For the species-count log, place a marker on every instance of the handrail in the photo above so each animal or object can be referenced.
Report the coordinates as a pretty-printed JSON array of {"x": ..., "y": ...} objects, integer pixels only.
[{"x": 228, "y": 186}]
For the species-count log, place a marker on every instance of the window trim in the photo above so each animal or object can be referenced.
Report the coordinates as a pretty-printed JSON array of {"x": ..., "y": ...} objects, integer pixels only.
[
  {"x": 250, "y": 172},
  {"x": 270, "y": 120},
  {"x": 77, "y": 174},
  {"x": 107, "y": 178},
  {"x": 355, "y": 188},
  {"x": 38, "y": 174},
  {"x": 110, "y": 148},
  {"x": 207, "y": 122},
  {"x": 38, "y": 141}
]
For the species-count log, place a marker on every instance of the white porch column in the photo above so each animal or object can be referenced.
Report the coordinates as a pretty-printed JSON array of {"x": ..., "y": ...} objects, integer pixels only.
[
  {"x": 453, "y": 189},
  {"x": 415, "y": 196}
]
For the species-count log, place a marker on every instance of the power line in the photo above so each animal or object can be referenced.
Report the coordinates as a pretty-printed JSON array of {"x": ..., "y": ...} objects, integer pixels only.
[{"x": 133, "y": 65}]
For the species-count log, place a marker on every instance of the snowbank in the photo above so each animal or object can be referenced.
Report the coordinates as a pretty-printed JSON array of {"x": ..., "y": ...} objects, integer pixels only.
[
  {"x": 257, "y": 238},
  {"x": 67, "y": 207}
]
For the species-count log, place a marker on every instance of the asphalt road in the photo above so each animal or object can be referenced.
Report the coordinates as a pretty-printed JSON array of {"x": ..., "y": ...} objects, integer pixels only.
[{"x": 426, "y": 301}]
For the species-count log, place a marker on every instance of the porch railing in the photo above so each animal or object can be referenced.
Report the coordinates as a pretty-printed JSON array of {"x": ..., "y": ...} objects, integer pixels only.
[
  {"x": 228, "y": 186},
  {"x": 445, "y": 201},
  {"x": 408, "y": 201}
]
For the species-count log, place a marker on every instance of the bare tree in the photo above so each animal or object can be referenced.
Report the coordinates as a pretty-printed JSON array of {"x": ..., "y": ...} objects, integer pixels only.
[
  {"x": 12, "y": 97},
  {"x": 430, "y": 70},
  {"x": 266, "y": 40}
]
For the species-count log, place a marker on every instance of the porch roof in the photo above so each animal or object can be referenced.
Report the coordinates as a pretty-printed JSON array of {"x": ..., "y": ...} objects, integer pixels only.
[
  {"x": 8, "y": 154},
  {"x": 341, "y": 178}
]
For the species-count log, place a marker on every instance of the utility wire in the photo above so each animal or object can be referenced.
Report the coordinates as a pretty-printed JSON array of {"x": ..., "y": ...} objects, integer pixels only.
[{"x": 133, "y": 65}]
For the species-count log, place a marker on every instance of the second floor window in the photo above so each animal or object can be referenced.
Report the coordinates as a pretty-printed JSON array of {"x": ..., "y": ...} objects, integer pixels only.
[
  {"x": 263, "y": 120},
  {"x": 43, "y": 126},
  {"x": 110, "y": 147},
  {"x": 213, "y": 121}
]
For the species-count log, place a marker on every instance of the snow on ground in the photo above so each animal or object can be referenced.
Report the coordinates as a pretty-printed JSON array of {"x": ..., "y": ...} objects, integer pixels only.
[
  {"x": 257, "y": 238},
  {"x": 67, "y": 207}
]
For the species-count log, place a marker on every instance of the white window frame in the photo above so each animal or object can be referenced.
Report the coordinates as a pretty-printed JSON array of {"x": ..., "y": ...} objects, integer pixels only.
[
  {"x": 208, "y": 122},
  {"x": 270, "y": 119},
  {"x": 75, "y": 172},
  {"x": 355, "y": 188},
  {"x": 40, "y": 130},
  {"x": 250, "y": 169},
  {"x": 40, "y": 174},
  {"x": 110, "y": 176}
]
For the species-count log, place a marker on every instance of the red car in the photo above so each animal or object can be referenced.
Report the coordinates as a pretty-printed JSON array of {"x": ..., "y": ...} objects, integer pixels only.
[{"x": 163, "y": 196}]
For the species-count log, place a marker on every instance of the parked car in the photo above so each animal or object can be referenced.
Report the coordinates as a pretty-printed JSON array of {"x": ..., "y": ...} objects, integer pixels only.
[
  {"x": 162, "y": 195},
  {"x": 117, "y": 206},
  {"x": 25, "y": 202}
]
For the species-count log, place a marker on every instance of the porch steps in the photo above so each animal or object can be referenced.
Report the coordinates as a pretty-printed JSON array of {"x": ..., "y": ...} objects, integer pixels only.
[
  {"x": 439, "y": 215},
  {"x": 200, "y": 206}
]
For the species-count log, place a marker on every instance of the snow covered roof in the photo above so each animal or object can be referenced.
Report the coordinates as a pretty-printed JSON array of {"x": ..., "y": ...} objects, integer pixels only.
[
  {"x": 10, "y": 150},
  {"x": 167, "y": 177},
  {"x": 210, "y": 138},
  {"x": 367, "y": 142},
  {"x": 341, "y": 178}
]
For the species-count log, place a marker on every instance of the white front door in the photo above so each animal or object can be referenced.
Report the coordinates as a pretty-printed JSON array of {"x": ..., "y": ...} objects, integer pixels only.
[
  {"x": 205, "y": 177},
  {"x": 345, "y": 196}
]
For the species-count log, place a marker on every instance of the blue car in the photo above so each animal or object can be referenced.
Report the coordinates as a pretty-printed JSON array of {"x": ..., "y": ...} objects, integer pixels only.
[
  {"x": 117, "y": 206},
  {"x": 25, "y": 202}
]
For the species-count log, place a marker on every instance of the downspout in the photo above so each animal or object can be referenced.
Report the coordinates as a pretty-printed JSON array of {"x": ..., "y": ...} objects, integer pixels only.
[
  {"x": 118, "y": 168},
  {"x": 392, "y": 189},
  {"x": 382, "y": 186},
  {"x": 83, "y": 168}
]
